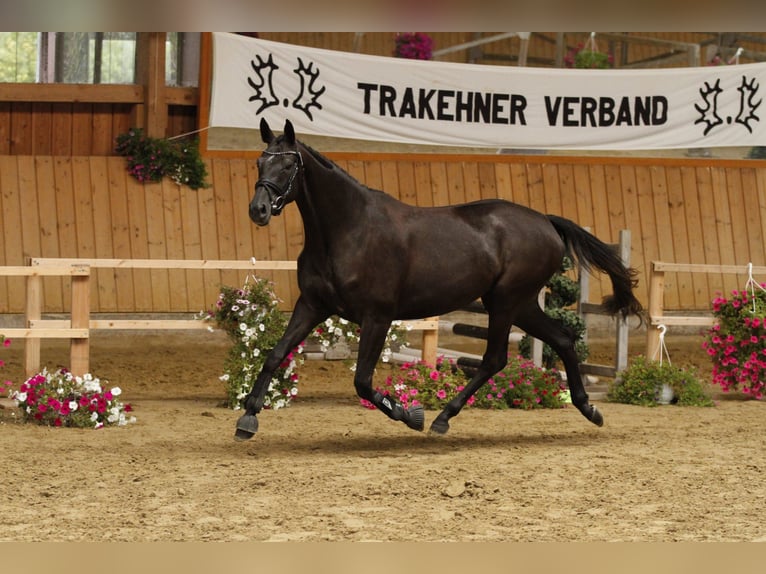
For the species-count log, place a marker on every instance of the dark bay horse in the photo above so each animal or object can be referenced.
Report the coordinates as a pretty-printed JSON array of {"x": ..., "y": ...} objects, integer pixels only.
[{"x": 372, "y": 259}]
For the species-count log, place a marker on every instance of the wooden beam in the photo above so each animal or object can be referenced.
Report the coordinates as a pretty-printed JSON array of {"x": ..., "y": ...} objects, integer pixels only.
[
  {"x": 168, "y": 263},
  {"x": 68, "y": 93},
  {"x": 705, "y": 268},
  {"x": 181, "y": 96}
]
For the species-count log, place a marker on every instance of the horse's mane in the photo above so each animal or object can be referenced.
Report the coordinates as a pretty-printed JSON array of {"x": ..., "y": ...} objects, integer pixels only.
[
  {"x": 332, "y": 166},
  {"x": 326, "y": 163}
]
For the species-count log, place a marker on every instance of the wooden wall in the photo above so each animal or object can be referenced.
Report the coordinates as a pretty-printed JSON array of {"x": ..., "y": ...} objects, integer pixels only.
[{"x": 694, "y": 211}]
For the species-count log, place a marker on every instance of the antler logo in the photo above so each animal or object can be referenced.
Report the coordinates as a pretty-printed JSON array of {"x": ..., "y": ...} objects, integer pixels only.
[
  {"x": 709, "y": 113},
  {"x": 710, "y": 102},
  {"x": 262, "y": 82},
  {"x": 264, "y": 92},
  {"x": 747, "y": 106}
]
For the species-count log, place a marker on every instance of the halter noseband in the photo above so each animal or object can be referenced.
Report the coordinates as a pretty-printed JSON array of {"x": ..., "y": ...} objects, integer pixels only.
[{"x": 280, "y": 198}]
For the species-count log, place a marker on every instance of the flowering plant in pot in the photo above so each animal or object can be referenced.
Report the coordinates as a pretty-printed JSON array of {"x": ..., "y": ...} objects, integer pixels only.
[
  {"x": 737, "y": 342},
  {"x": 646, "y": 383},
  {"x": 60, "y": 398},
  {"x": 587, "y": 55},
  {"x": 150, "y": 159},
  {"x": 251, "y": 317},
  {"x": 519, "y": 385}
]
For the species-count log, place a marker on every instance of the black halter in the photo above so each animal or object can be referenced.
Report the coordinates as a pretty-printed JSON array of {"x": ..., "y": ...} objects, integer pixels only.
[{"x": 281, "y": 197}]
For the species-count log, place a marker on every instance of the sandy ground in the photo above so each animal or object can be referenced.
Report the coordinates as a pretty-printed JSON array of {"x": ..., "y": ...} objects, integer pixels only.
[{"x": 326, "y": 469}]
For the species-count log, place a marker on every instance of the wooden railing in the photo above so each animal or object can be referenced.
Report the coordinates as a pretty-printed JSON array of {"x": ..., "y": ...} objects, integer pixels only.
[
  {"x": 78, "y": 328},
  {"x": 656, "y": 308}
]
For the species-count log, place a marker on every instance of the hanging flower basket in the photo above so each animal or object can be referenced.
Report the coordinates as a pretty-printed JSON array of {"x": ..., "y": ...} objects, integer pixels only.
[
  {"x": 588, "y": 56},
  {"x": 414, "y": 45},
  {"x": 737, "y": 342}
]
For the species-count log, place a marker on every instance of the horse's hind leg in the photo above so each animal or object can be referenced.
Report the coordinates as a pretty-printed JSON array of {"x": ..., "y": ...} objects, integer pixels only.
[
  {"x": 494, "y": 359},
  {"x": 562, "y": 340},
  {"x": 371, "y": 341}
]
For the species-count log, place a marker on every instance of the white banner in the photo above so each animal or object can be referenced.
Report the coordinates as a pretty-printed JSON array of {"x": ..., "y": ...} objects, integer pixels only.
[{"x": 346, "y": 95}]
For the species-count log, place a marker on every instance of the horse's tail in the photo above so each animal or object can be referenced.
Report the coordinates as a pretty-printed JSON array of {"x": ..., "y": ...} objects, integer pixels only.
[{"x": 592, "y": 252}]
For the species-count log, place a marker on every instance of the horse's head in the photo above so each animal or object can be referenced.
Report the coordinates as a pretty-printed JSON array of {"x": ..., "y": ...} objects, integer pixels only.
[{"x": 279, "y": 168}]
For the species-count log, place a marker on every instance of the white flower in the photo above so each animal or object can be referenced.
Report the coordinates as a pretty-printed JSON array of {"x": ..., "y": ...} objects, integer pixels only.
[
  {"x": 261, "y": 327},
  {"x": 249, "y": 332},
  {"x": 243, "y": 326},
  {"x": 224, "y": 378},
  {"x": 116, "y": 391},
  {"x": 98, "y": 425},
  {"x": 73, "y": 406},
  {"x": 92, "y": 386},
  {"x": 94, "y": 417},
  {"x": 20, "y": 397},
  {"x": 294, "y": 391},
  {"x": 256, "y": 352}
]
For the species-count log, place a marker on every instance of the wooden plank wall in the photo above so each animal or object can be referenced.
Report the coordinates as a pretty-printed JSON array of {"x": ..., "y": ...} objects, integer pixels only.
[
  {"x": 62, "y": 128},
  {"x": 682, "y": 211}
]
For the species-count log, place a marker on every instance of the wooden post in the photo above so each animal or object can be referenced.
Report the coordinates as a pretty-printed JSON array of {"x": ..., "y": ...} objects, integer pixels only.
[
  {"x": 430, "y": 343},
  {"x": 621, "y": 350},
  {"x": 656, "y": 298},
  {"x": 79, "y": 351},
  {"x": 33, "y": 312},
  {"x": 150, "y": 73}
]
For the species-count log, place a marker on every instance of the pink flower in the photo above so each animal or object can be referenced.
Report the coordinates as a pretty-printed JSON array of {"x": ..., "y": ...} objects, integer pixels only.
[
  {"x": 442, "y": 394},
  {"x": 434, "y": 375},
  {"x": 7, "y": 343}
]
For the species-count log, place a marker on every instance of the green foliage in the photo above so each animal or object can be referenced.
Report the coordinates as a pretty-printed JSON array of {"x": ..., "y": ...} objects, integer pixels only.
[
  {"x": 642, "y": 384},
  {"x": 562, "y": 292},
  {"x": 591, "y": 59},
  {"x": 18, "y": 56},
  {"x": 150, "y": 159}
]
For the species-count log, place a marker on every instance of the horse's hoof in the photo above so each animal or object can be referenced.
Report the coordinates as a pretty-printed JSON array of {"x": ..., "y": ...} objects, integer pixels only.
[
  {"x": 595, "y": 417},
  {"x": 417, "y": 418},
  {"x": 439, "y": 427},
  {"x": 247, "y": 426}
]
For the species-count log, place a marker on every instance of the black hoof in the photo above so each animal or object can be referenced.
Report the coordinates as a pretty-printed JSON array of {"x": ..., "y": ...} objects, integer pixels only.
[
  {"x": 416, "y": 418},
  {"x": 595, "y": 417},
  {"x": 247, "y": 426},
  {"x": 439, "y": 427}
]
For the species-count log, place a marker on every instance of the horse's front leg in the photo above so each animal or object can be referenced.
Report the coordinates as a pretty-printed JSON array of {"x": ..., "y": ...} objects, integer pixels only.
[
  {"x": 371, "y": 342},
  {"x": 302, "y": 321}
]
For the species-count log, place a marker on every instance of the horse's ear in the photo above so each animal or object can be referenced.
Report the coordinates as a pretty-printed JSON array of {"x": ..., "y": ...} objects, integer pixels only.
[
  {"x": 266, "y": 134},
  {"x": 289, "y": 132}
]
